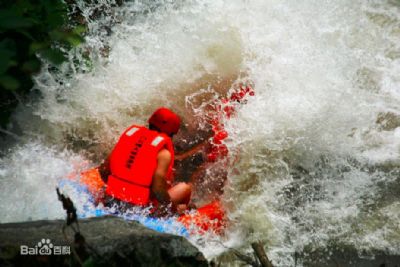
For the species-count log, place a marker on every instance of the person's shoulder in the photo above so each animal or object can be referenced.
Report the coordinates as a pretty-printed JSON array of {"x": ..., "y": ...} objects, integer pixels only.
[
  {"x": 132, "y": 129},
  {"x": 164, "y": 154}
]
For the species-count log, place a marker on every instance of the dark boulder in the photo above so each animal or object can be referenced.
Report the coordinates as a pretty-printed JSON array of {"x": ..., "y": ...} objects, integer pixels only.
[{"x": 107, "y": 241}]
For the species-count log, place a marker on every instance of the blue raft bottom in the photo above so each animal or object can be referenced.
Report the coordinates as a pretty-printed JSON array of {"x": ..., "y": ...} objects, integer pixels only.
[{"x": 86, "y": 208}]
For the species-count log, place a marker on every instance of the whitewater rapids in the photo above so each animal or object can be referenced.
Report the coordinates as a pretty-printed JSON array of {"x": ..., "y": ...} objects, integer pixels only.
[{"x": 317, "y": 148}]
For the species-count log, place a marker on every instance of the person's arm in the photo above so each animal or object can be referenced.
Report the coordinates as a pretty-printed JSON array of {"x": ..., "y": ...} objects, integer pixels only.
[
  {"x": 104, "y": 169},
  {"x": 192, "y": 151},
  {"x": 159, "y": 183}
]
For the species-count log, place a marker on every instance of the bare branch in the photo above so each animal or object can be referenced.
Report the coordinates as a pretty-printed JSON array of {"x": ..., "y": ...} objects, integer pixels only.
[{"x": 261, "y": 255}]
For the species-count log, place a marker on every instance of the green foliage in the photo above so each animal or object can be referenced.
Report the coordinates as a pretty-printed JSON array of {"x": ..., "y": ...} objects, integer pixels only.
[{"x": 31, "y": 30}]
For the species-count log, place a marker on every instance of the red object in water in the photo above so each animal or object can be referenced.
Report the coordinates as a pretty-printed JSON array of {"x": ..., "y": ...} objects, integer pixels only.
[
  {"x": 225, "y": 109},
  {"x": 166, "y": 121},
  {"x": 210, "y": 217},
  {"x": 95, "y": 185},
  {"x": 219, "y": 136}
]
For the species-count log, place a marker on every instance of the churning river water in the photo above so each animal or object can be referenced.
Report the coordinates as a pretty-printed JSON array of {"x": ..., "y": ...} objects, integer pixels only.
[{"x": 317, "y": 149}]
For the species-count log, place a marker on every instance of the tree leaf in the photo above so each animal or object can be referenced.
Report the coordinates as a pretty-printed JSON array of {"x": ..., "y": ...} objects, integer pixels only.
[
  {"x": 9, "y": 82},
  {"x": 26, "y": 34},
  {"x": 37, "y": 46},
  {"x": 79, "y": 30},
  {"x": 31, "y": 66},
  {"x": 54, "y": 56},
  {"x": 7, "y": 53},
  {"x": 57, "y": 35},
  {"x": 74, "y": 39},
  {"x": 9, "y": 19}
]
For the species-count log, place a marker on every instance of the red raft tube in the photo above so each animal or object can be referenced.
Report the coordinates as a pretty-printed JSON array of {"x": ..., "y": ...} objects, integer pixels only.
[{"x": 208, "y": 218}]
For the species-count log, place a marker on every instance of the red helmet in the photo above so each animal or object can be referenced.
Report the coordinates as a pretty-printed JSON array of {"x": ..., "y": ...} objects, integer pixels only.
[{"x": 166, "y": 121}]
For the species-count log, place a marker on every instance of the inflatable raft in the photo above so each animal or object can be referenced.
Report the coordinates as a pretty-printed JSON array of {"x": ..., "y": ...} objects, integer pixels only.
[{"x": 89, "y": 187}]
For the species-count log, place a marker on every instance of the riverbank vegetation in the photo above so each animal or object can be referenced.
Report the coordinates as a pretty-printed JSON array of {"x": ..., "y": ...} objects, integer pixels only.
[{"x": 32, "y": 33}]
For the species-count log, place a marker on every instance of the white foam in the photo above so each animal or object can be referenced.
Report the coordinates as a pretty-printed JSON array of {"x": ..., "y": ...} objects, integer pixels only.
[{"x": 313, "y": 160}]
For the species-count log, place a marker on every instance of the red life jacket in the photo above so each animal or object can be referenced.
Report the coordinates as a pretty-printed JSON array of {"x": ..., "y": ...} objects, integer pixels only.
[{"x": 133, "y": 162}]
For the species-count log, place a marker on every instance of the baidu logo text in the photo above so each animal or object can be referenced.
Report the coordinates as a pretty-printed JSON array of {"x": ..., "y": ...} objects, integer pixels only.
[{"x": 45, "y": 247}]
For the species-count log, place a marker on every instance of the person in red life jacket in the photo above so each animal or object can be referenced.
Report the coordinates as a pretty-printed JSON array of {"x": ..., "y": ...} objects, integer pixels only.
[{"x": 139, "y": 168}]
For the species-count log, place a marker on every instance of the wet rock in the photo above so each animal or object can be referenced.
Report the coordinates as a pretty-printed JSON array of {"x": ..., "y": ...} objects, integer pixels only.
[{"x": 108, "y": 241}]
